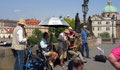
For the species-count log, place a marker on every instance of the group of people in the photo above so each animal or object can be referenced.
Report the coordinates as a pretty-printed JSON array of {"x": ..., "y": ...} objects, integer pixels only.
[
  {"x": 72, "y": 43},
  {"x": 69, "y": 42}
]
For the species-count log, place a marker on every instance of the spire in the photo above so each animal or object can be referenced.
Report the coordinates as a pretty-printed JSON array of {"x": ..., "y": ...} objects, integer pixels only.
[{"x": 109, "y": 2}]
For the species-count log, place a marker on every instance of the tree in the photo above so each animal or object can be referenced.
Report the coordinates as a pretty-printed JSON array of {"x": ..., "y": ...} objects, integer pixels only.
[
  {"x": 105, "y": 35},
  {"x": 56, "y": 31},
  {"x": 36, "y": 37},
  {"x": 70, "y": 22}
]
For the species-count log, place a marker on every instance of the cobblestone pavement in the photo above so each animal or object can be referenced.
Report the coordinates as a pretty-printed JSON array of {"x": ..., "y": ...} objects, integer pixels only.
[{"x": 93, "y": 65}]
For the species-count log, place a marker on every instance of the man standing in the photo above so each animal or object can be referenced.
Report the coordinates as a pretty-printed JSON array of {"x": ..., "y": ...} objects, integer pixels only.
[
  {"x": 63, "y": 46},
  {"x": 84, "y": 34},
  {"x": 18, "y": 44}
]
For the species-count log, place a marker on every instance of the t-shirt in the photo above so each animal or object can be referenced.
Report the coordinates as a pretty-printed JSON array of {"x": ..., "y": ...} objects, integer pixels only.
[
  {"x": 116, "y": 53},
  {"x": 63, "y": 38},
  {"x": 84, "y": 36}
]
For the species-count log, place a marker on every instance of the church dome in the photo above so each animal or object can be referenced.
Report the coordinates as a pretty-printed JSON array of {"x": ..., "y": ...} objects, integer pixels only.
[{"x": 110, "y": 8}]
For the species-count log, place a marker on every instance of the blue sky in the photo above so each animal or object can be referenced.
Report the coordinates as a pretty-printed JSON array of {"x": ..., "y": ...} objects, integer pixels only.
[{"x": 40, "y": 9}]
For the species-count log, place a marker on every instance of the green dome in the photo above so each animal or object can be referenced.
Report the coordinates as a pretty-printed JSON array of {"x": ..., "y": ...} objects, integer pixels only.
[{"x": 110, "y": 8}]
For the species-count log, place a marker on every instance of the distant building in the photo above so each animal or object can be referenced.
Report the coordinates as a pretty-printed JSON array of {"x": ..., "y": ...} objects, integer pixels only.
[
  {"x": 6, "y": 28},
  {"x": 33, "y": 24},
  {"x": 110, "y": 10},
  {"x": 103, "y": 23}
]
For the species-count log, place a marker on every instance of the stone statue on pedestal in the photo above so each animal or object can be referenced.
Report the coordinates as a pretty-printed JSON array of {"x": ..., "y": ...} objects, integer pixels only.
[{"x": 78, "y": 26}]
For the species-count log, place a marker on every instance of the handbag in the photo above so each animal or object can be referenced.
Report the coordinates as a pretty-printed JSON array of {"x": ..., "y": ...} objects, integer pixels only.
[{"x": 100, "y": 58}]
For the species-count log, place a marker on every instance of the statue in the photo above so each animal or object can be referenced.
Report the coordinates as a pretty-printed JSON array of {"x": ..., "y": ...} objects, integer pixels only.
[
  {"x": 90, "y": 26},
  {"x": 78, "y": 26}
]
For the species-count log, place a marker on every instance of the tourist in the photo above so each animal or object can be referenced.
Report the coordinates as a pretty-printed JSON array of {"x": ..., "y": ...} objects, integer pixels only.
[
  {"x": 19, "y": 44},
  {"x": 84, "y": 34}
]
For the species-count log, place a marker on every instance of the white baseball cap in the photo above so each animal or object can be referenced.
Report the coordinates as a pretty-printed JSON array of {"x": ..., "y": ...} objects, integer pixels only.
[
  {"x": 70, "y": 27},
  {"x": 84, "y": 26}
]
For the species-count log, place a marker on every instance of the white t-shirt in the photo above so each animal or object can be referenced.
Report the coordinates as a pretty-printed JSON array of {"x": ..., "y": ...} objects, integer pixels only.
[{"x": 21, "y": 39}]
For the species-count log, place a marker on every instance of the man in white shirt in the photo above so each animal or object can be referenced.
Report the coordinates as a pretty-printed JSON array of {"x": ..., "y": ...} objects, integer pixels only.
[
  {"x": 45, "y": 46},
  {"x": 18, "y": 44}
]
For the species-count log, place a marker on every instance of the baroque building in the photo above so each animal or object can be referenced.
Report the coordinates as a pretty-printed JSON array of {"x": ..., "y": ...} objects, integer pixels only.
[{"x": 103, "y": 23}]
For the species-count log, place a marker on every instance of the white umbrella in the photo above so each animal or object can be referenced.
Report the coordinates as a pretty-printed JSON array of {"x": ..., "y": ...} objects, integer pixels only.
[{"x": 54, "y": 22}]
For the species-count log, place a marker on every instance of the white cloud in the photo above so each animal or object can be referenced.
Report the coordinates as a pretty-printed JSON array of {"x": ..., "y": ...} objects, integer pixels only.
[{"x": 17, "y": 10}]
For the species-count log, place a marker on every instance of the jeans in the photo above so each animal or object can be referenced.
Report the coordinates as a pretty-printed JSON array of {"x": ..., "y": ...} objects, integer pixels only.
[
  {"x": 85, "y": 45},
  {"x": 19, "y": 59}
]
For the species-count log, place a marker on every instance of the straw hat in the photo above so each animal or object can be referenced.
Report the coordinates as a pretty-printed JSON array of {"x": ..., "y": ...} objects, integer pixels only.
[
  {"x": 22, "y": 21},
  {"x": 66, "y": 31}
]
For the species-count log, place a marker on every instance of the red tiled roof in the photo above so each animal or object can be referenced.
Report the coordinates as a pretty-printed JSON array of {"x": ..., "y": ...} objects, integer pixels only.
[
  {"x": 32, "y": 22},
  {"x": 9, "y": 31}
]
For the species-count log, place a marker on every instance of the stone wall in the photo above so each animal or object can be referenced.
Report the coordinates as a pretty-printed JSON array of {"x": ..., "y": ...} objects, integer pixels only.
[{"x": 6, "y": 59}]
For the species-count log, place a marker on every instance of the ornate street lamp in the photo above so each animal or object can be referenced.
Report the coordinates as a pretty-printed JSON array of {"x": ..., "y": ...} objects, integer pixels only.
[
  {"x": 112, "y": 19},
  {"x": 85, "y": 9}
]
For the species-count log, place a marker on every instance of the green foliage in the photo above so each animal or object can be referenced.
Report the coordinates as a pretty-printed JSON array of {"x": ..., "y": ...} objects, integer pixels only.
[
  {"x": 54, "y": 40},
  {"x": 36, "y": 37},
  {"x": 105, "y": 35},
  {"x": 57, "y": 31},
  {"x": 70, "y": 22}
]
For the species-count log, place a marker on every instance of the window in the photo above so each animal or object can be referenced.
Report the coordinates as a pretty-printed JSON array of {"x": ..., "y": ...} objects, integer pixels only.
[
  {"x": 99, "y": 28},
  {"x": 93, "y": 28},
  {"x": 107, "y": 28},
  {"x": 99, "y": 23},
  {"x": 108, "y": 15},
  {"x": 107, "y": 23}
]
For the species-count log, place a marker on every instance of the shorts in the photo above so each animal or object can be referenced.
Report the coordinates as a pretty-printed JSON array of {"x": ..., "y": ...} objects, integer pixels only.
[
  {"x": 62, "y": 53},
  {"x": 46, "y": 53},
  {"x": 116, "y": 53}
]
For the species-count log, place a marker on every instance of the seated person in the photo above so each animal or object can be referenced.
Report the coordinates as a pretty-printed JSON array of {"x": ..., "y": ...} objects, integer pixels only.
[
  {"x": 73, "y": 49},
  {"x": 45, "y": 45},
  {"x": 114, "y": 57}
]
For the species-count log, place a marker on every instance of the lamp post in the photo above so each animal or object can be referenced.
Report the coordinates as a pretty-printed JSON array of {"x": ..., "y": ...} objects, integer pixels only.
[
  {"x": 85, "y": 9},
  {"x": 112, "y": 19}
]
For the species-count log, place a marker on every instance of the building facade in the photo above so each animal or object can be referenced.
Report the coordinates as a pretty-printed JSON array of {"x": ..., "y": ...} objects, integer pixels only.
[
  {"x": 33, "y": 24},
  {"x": 6, "y": 28},
  {"x": 104, "y": 23},
  {"x": 101, "y": 25}
]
